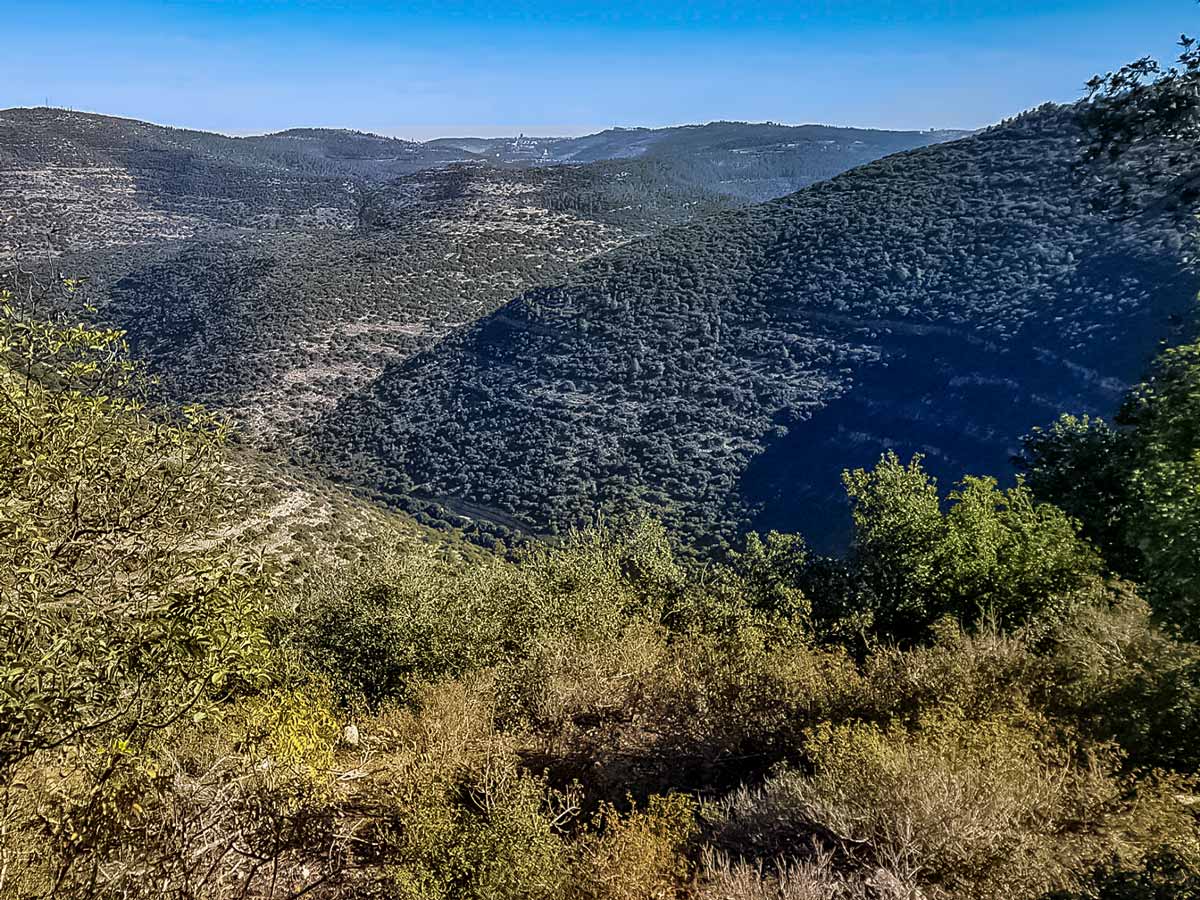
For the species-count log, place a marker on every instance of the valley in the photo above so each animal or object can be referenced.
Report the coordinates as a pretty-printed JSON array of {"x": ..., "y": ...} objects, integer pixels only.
[
  {"x": 272, "y": 277},
  {"x": 722, "y": 374},
  {"x": 349, "y": 301}
]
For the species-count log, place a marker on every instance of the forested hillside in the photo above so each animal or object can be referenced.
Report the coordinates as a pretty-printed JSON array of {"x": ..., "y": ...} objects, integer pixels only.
[
  {"x": 942, "y": 300},
  {"x": 275, "y": 323},
  {"x": 271, "y": 276}
]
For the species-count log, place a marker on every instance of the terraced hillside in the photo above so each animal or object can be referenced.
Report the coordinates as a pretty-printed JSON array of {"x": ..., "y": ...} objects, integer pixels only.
[
  {"x": 255, "y": 280},
  {"x": 71, "y": 181},
  {"x": 943, "y": 301},
  {"x": 274, "y": 325}
]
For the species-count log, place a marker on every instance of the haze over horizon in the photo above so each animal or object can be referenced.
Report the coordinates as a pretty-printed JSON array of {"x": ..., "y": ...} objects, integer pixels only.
[
  {"x": 469, "y": 68},
  {"x": 429, "y": 133}
]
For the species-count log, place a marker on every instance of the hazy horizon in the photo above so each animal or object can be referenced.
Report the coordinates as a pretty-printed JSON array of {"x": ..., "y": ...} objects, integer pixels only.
[
  {"x": 424, "y": 133},
  {"x": 467, "y": 68}
]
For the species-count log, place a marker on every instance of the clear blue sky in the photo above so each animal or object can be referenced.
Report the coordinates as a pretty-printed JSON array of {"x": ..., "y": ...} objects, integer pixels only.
[{"x": 422, "y": 68}]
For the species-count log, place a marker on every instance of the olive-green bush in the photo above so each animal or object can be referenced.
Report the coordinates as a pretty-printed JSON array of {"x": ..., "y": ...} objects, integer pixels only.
[{"x": 964, "y": 707}]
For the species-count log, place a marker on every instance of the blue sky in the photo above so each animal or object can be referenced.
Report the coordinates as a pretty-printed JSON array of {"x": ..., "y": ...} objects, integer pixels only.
[{"x": 419, "y": 69}]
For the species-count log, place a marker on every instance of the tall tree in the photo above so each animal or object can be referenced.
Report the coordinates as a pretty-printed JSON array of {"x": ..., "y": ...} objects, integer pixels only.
[{"x": 1163, "y": 524}]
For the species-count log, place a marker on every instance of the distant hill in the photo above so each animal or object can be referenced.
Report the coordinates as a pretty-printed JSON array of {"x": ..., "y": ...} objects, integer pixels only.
[
  {"x": 748, "y": 161},
  {"x": 32, "y": 137},
  {"x": 942, "y": 301},
  {"x": 74, "y": 180},
  {"x": 630, "y": 143}
]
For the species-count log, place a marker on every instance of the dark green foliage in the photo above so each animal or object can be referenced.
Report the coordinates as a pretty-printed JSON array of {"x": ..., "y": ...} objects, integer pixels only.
[
  {"x": 768, "y": 574},
  {"x": 1122, "y": 678},
  {"x": 1143, "y": 102},
  {"x": 1166, "y": 875},
  {"x": 1163, "y": 415},
  {"x": 993, "y": 554},
  {"x": 1136, "y": 490},
  {"x": 1078, "y": 464}
]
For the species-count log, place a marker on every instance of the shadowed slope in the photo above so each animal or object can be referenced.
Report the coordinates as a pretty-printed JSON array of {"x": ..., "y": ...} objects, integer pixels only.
[{"x": 942, "y": 300}]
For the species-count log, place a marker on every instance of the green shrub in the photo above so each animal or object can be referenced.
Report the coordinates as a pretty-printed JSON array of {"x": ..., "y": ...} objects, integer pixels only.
[
  {"x": 1163, "y": 525},
  {"x": 121, "y": 608},
  {"x": 991, "y": 555},
  {"x": 636, "y": 856},
  {"x": 1078, "y": 464},
  {"x": 649, "y": 711},
  {"x": 407, "y": 614},
  {"x": 1136, "y": 490},
  {"x": 970, "y": 808},
  {"x": 1117, "y": 676}
]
